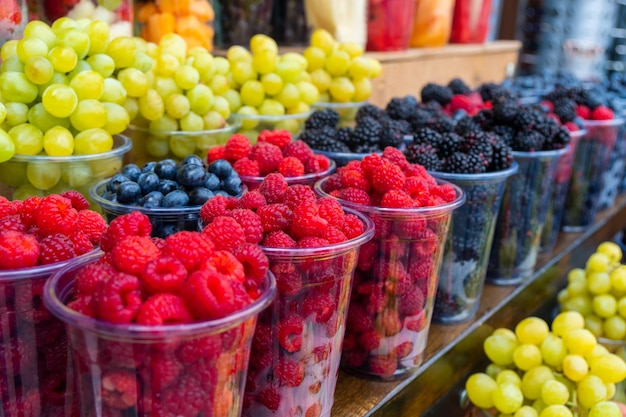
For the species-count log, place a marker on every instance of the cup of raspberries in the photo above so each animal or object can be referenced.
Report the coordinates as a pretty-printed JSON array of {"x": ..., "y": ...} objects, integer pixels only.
[
  {"x": 274, "y": 152},
  {"x": 161, "y": 326},
  {"x": 396, "y": 274},
  {"x": 313, "y": 246},
  {"x": 39, "y": 236}
]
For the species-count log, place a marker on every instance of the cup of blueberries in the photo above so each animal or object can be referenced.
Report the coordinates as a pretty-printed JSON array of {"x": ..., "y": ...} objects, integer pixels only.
[{"x": 170, "y": 193}]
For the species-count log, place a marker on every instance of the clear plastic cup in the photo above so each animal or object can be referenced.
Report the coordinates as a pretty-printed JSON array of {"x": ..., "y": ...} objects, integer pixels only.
[
  {"x": 252, "y": 125},
  {"x": 347, "y": 111},
  {"x": 521, "y": 217},
  {"x": 464, "y": 266},
  {"x": 590, "y": 164},
  {"x": 394, "y": 288},
  {"x": 432, "y": 23},
  {"x": 297, "y": 345},
  {"x": 612, "y": 178},
  {"x": 389, "y": 24},
  {"x": 189, "y": 370},
  {"x": 253, "y": 183},
  {"x": 556, "y": 204}
]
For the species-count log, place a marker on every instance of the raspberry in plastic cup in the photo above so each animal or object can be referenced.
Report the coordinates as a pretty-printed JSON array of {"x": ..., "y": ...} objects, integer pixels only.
[
  {"x": 394, "y": 287},
  {"x": 189, "y": 370},
  {"x": 297, "y": 345},
  {"x": 464, "y": 266},
  {"x": 522, "y": 216},
  {"x": 253, "y": 183},
  {"x": 389, "y": 25}
]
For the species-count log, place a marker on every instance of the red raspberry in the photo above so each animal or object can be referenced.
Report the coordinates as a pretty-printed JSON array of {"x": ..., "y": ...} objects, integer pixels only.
[
  {"x": 278, "y": 239},
  {"x": 132, "y": 254},
  {"x": 298, "y": 194},
  {"x": 403, "y": 350},
  {"x": 216, "y": 206},
  {"x": 307, "y": 222},
  {"x": 354, "y": 358},
  {"x": 55, "y": 214},
  {"x": 252, "y": 200},
  {"x": 291, "y": 167},
  {"x": 445, "y": 191},
  {"x": 267, "y": 155},
  {"x": 359, "y": 320},
  {"x": 92, "y": 224},
  {"x": 299, "y": 150},
  {"x": 583, "y": 111},
  {"x": 18, "y": 250},
  {"x": 355, "y": 195},
  {"x": 388, "y": 177},
  {"x": 320, "y": 305},
  {"x": 417, "y": 324},
  {"x": 132, "y": 224},
  {"x": 16, "y": 354},
  {"x": 396, "y": 199},
  {"x": 384, "y": 366},
  {"x": 164, "y": 274},
  {"x": 89, "y": 278},
  {"x": 186, "y": 397},
  {"x": 333, "y": 183},
  {"x": 160, "y": 309},
  {"x": 247, "y": 167},
  {"x": 367, "y": 256},
  {"x": 353, "y": 226},
  {"x": 202, "y": 347},
  {"x": 190, "y": 248},
  {"x": 322, "y": 163},
  {"x": 275, "y": 217},
  {"x": 12, "y": 222},
  {"x": 395, "y": 156},
  {"x": 314, "y": 410},
  {"x": 289, "y": 373},
  {"x": 571, "y": 126},
  {"x": 6, "y": 207},
  {"x": 79, "y": 202},
  {"x": 118, "y": 298},
  {"x": 353, "y": 178},
  {"x": 255, "y": 263},
  {"x": 290, "y": 331},
  {"x": 602, "y": 113},
  {"x": 251, "y": 224},
  {"x": 330, "y": 210},
  {"x": 280, "y": 138},
  {"x": 215, "y": 153},
  {"x": 416, "y": 187},
  {"x": 333, "y": 235},
  {"x": 411, "y": 302},
  {"x": 369, "y": 340},
  {"x": 225, "y": 232},
  {"x": 119, "y": 389},
  {"x": 370, "y": 163},
  {"x": 226, "y": 264},
  {"x": 288, "y": 279},
  {"x": 55, "y": 248},
  {"x": 81, "y": 242},
  {"x": 269, "y": 397},
  {"x": 390, "y": 322},
  {"x": 161, "y": 371},
  {"x": 29, "y": 208},
  {"x": 461, "y": 102},
  {"x": 356, "y": 164},
  {"x": 53, "y": 388},
  {"x": 237, "y": 146},
  {"x": 208, "y": 295},
  {"x": 273, "y": 188}
]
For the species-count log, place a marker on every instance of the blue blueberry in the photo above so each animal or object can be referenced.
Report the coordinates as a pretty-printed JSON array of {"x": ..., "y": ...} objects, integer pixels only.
[
  {"x": 192, "y": 160},
  {"x": 153, "y": 199},
  {"x": 166, "y": 170},
  {"x": 222, "y": 193},
  {"x": 132, "y": 171},
  {"x": 110, "y": 195},
  {"x": 149, "y": 167},
  {"x": 128, "y": 192},
  {"x": 232, "y": 185},
  {"x": 164, "y": 230},
  {"x": 177, "y": 198},
  {"x": 212, "y": 182},
  {"x": 115, "y": 181},
  {"x": 148, "y": 181},
  {"x": 167, "y": 186},
  {"x": 191, "y": 176},
  {"x": 199, "y": 196},
  {"x": 222, "y": 168}
]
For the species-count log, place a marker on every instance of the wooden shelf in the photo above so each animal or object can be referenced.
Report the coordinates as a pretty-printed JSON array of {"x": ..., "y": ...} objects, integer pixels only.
[{"x": 455, "y": 350}]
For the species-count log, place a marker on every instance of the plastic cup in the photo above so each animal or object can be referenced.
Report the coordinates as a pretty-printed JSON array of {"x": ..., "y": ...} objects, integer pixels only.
[
  {"x": 297, "y": 345},
  {"x": 394, "y": 288},
  {"x": 590, "y": 164},
  {"x": 464, "y": 266},
  {"x": 253, "y": 124},
  {"x": 253, "y": 183},
  {"x": 612, "y": 178},
  {"x": 183, "y": 369},
  {"x": 556, "y": 204},
  {"x": 389, "y": 24},
  {"x": 522, "y": 216},
  {"x": 347, "y": 111}
]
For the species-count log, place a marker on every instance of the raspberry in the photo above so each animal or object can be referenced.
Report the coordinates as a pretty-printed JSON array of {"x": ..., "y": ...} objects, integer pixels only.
[
  {"x": 190, "y": 248},
  {"x": 273, "y": 188},
  {"x": 369, "y": 340},
  {"x": 278, "y": 239},
  {"x": 396, "y": 199},
  {"x": 289, "y": 373},
  {"x": 29, "y": 208},
  {"x": 118, "y": 298},
  {"x": 384, "y": 366},
  {"x": 314, "y": 410},
  {"x": 275, "y": 217},
  {"x": 55, "y": 214},
  {"x": 367, "y": 256},
  {"x": 12, "y": 222},
  {"x": 255, "y": 263},
  {"x": 251, "y": 224},
  {"x": 411, "y": 302},
  {"x": 320, "y": 305},
  {"x": 225, "y": 232},
  {"x": 132, "y": 253},
  {"x": 298, "y": 194},
  {"x": 417, "y": 188},
  {"x": 216, "y": 206},
  {"x": 53, "y": 389},
  {"x": 369, "y": 163},
  {"x": 330, "y": 210},
  {"x": 445, "y": 191},
  {"x": 280, "y": 138},
  {"x": 299, "y": 150},
  {"x": 355, "y": 195},
  {"x": 291, "y": 167},
  {"x": 602, "y": 113},
  {"x": 161, "y": 372},
  {"x": 571, "y": 126},
  {"x": 318, "y": 163},
  {"x": 288, "y": 279},
  {"x": 132, "y": 224},
  {"x": 89, "y": 278},
  {"x": 6, "y": 207},
  {"x": 333, "y": 235},
  {"x": 417, "y": 324},
  {"x": 352, "y": 227},
  {"x": 353, "y": 178},
  {"x": 388, "y": 177},
  {"x": 92, "y": 225},
  {"x": 202, "y": 347},
  {"x": 226, "y": 264},
  {"x": 355, "y": 358},
  {"x": 163, "y": 275},
  {"x": 270, "y": 398},
  {"x": 16, "y": 355},
  {"x": 237, "y": 147},
  {"x": 55, "y": 248},
  {"x": 403, "y": 350},
  {"x": 359, "y": 320},
  {"x": 395, "y": 156},
  {"x": 252, "y": 200},
  {"x": 208, "y": 295},
  {"x": 248, "y": 167},
  {"x": 267, "y": 155},
  {"x": 583, "y": 111},
  {"x": 81, "y": 242},
  {"x": 215, "y": 153},
  {"x": 119, "y": 389},
  {"x": 79, "y": 202},
  {"x": 333, "y": 183},
  {"x": 290, "y": 331},
  {"x": 160, "y": 309},
  {"x": 18, "y": 250},
  {"x": 307, "y": 222},
  {"x": 391, "y": 322}
]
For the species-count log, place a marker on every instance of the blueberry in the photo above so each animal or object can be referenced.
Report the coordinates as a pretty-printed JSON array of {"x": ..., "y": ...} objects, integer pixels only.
[
  {"x": 115, "y": 181},
  {"x": 167, "y": 186},
  {"x": 177, "y": 198},
  {"x": 199, "y": 196},
  {"x": 153, "y": 199},
  {"x": 148, "y": 181},
  {"x": 128, "y": 192},
  {"x": 191, "y": 176},
  {"x": 165, "y": 229},
  {"x": 132, "y": 171},
  {"x": 222, "y": 193},
  {"x": 110, "y": 195},
  {"x": 212, "y": 182},
  {"x": 232, "y": 185},
  {"x": 192, "y": 160},
  {"x": 166, "y": 170},
  {"x": 222, "y": 168}
]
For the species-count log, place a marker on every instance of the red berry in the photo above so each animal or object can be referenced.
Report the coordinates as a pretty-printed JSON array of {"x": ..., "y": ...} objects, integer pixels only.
[
  {"x": 208, "y": 295},
  {"x": 160, "y": 309},
  {"x": 388, "y": 177},
  {"x": 237, "y": 146},
  {"x": 602, "y": 113},
  {"x": 160, "y": 372},
  {"x": 289, "y": 373},
  {"x": 395, "y": 156},
  {"x": 119, "y": 389},
  {"x": 280, "y": 138},
  {"x": 353, "y": 226},
  {"x": 198, "y": 348},
  {"x": 186, "y": 397},
  {"x": 79, "y": 202},
  {"x": 583, "y": 111},
  {"x": 29, "y": 208},
  {"x": 273, "y": 188},
  {"x": 275, "y": 217},
  {"x": 55, "y": 248},
  {"x": 118, "y": 298},
  {"x": 333, "y": 235},
  {"x": 369, "y": 340},
  {"x": 571, "y": 126},
  {"x": 92, "y": 224},
  {"x": 298, "y": 194},
  {"x": 251, "y": 224},
  {"x": 355, "y": 195},
  {"x": 307, "y": 222},
  {"x": 278, "y": 239},
  {"x": 300, "y": 150},
  {"x": 12, "y": 222},
  {"x": 163, "y": 274},
  {"x": 320, "y": 305},
  {"x": 247, "y": 167},
  {"x": 384, "y": 366},
  {"x": 252, "y": 200},
  {"x": 290, "y": 331},
  {"x": 411, "y": 302},
  {"x": 390, "y": 322},
  {"x": 255, "y": 263},
  {"x": 267, "y": 155},
  {"x": 288, "y": 278},
  {"x": 18, "y": 250},
  {"x": 269, "y": 397},
  {"x": 396, "y": 199},
  {"x": 225, "y": 233},
  {"x": 215, "y": 153},
  {"x": 89, "y": 278},
  {"x": 6, "y": 207},
  {"x": 132, "y": 254},
  {"x": 55, "y": 214},
  {"x": 225, "y": 264},
  {"x": 291, "y": 167},
  {"x": 81, "y": 242},
  {"x": 216, "y": 206},
  {"x": 359, "y": 320},
  {"x": 132, "y": 224},
  {"x": 190, "y": 248},
  {"x": 354, "y": 178}
]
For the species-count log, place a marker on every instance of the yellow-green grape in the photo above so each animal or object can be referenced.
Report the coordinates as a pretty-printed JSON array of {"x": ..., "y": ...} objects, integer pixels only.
[
  {"x": 590, "y": 391},
  {"x": 191, "y": 122},
  {"x": 113, "y": 92},
  {"x": 7, "y": 148},
  {"x": 292, "y": 125},
  {"x": 117, "y": 118},
  {"x": 220, "y": 105},
  {"x": 122, "y": 50},
  {"x": 75, "y": 39},
  {"x": 40, "y": 30},
  {"x": 321, "y": 79},
  {"x": 610, "y": 368},
  {"x": 618, "y": 278},
  {"x": 92, "y": 141},
  {"x": 580, "y": 341},
  {"x": 15, "y": 86},
  {"x": 63, "y": 23},
  {"x": 173, "y": 44},
  {"x": 158, "y": 148},
  {"x": 597, "y": 262},
  {"x": 13, "y": 173},
  {"x": 260, "y": 41},
  {"x": 63, "y": 58},
  {"x": 359, "y": 68},
  {"x": 102, "y": 64},
  {"x": 503, "y": 331},
  {"x": 200, "y": 99},
  {"x": 222, "y": 66},
  {"x": 59, "y": 100},
  {"x": 134, "y": 81},
  {"x": 375, "y": 68},
  {"x": 315, "y": 58},
  {"x": 89, "y": 114},
  {"x": 556, "y": 411},
  {"x": 76, "y": 174},
  {"x": 264, "y": 61},
  {"x": 58, "y": 141},
  {"x": 341, "y": 89},
  {"x": 252, "y": 93},
  {"x": 594, "y": 324},
  {"x": 303, "y": 76},
  {"x": 272, "y": 83},
  {"x": 150, "y": 106},
  {"x": 289, "y": 95},
  {"x": 480, "y": 388},
  {"x": 39, "y": 117},
  {"x": 186, "y": 77},
  {"x": 132, "y": 107},
  {"x": 177, "y": 105},
  {"x": 166, "y": 65},
  {"x": 324, "y": 40},
  {"x": 299, "y": 108},
  {"x": 17, "y": 113},
  {"x": 553, "y": 350},
  {"x": 234, "y": 100},
  {"x": 532, "y": 330},
  {"x": 605, "y": 409},
  {"x": 611, "y": 388},
  {"x": 499, "y": 349},
  {"x": 308, "y": 92},
  {"x": 238, "y": 53},
  {"x": 163, "y": 124},
  {"x": 213, "y": 120},
  {"x": 12, "y": 64},
  {"x": 576, "y": 288},
  {"x": 362, "y": 89},
  {"x": 248, "y": 123},
  {"x": 8, "y": 49},
  {"x": 38, "y": 70},
  {"x": 295, "y": 57},
  {"x": 604, "y": 305},
  {"x": 142, "y": 62},
  {"x": 599, "y": 282},
  {"x": 43, "y": 175},
  {"x": 494, "y": 370},
  {"x": 611, "y": 250},
  {"x": 598, "y": 350},
  {"x": 181, "y": 146},
  {"x": 526, "y": 411},
  {"x": 576, "y": 274},
  {"x": 28, "y": 139},
  {"x": 508, "y": 398},
  {"x": 580, "y": 304},
  {"x": 98, "y": 32},
  {"x": 28, "y": 48},
  {"x": 107, "y": 167},
  {"x": 554, "y": 392},
  {"x": 562, "y": 296},
  {"x": 575, "y": 367},
  {"x": 271, "y": 107},
  {"x": 219, "y": 84},
  {"x": 352, "y": 48},
  {"x": 337, "y": 63},
  {"x": 533, "y": 380},
  {"x": 527, "y": 357},
  {"x": 621, "y": 307},
  {"x": 288, "y": 70},
  {"x": 242, "y": 71},
  {"x": 204, "y": 64},
  {"x": 89, "y": 85},
  {"x": 508, "y": 376},
  {"x": 166, "y": 87},
  {"x": 3, "y": 112}
]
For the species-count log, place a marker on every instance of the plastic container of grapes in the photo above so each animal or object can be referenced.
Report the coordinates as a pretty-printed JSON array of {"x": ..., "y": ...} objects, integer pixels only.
[
  {"x": 464, "y": 266},
  {"x": 27, "y": 175},
  {"x": 149, "y": 145},
  {"x": 394, "y": 287},
  {"x": 347, "y": 111},
  {"x": 612, "y": 178},
  {"x": 119, "y": 367},
  {"x": 253, "y": 183},
  {"x": 389, "y": 24},
  {"x": 590, "y": 164},
  {"x": 521, "y": 217},
  {"x": 296, "y": 349},
  {"x": 252, "y": 125},
  {"x": 556, "y": 204}
]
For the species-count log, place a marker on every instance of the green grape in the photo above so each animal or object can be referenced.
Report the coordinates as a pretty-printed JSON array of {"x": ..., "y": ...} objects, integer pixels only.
[
  {"x": 222, "y": 66},
  {"x": 505, "y": 332},
  {"x": 508, "y": 376},
  {"x": 98, "y": 33},
  {"x": 17, "y": 113},
  {"x": 63, "y": 23},
  {"x": 63, "y": 58},
  {"x": 618, "y": 278},
  {"x": 576, "y": 274},
  {"x": 288, "y": 70},
  {"x": 43, "y": 175},
  {"x": 610, "y": 391},
  {"x": 231, "y": 82},
  {"x": 248, "y": 123},
  {"x": 352, "y": 48},
  {"x": 252, "y": 93},
  {"x": 575, "y": 367},
  {"x": 242, "y": 71},
  {"x": 527, "y": 356},
  {"x": 220, "y": 105},
  {"x": 75, "y": 39},
  {"x": 533, "y": 380},
  {"x": 289, "y": 95},
  {"x": 132, "y": 106},
  {"x": 122, "y": 49},
  {"x": 28, "y": 139},
  {"x": 40, "y": 30},
  {"x": 205, "y": 65},
  {"x": 238, "y": 53},
  {"x": 27, "y": 190},
  {"x": 508, "y": 398},
  {"x": 359, "y": 68},
  {"x": 117, "y": 118},
  {"x": 92, "y": 141},
  {"x": 480, "y": 388},
  {"x": 315, "y": 58},
  {"x": 264, "y": 61},
  {"x": 604, "y": 305},
  {"x": 611, "y": 250},
  {"x": 186, "y": 77},
  {"x": 597, "y": 262},
  {"x": 562, "y": 296},
  {"x": 272, "y": 83},
  {"x": 605, "y": 409},
  {"x": 113, "y": 92},
  {"x": 234, "y": 100},
  {"x": 555, "y": 411},
  {"x": 362, "y": 89},
  {"x": 200, "y": 99},
  {"x": 173, "y": 44},
  {"x": 213, "y": 120},
  {"x": 271, "y": 107},
  {"x": 494, "y": 370},
  {"x": 150, "y": 106},
  {"x": 13, "y": 173},
  {"x": 324, "y": 40},
  {"x": 44, "y": 121},
  {"x": 58, "y": 141},
  {"x": 291, "y": 125},
  {"x": 553, "y": 350},
  {"x": 3, "y": 113},
  {"x": 107, "y": 167},
  {"x": 15, "y": 86},
  {"x": 76, "y": 174},
  {"x": 166, "y": 86},
  {"x": 9, "y": 49},
  {"x": 499, "y": 349},
  {"x": 219, "y": 84},
  {"x": 590, "y": 391},
  {"x": 621, "y": 307},
  {"x": 295, "y": 57},
  {"x": 598, "y": 350},
  {"x": 7, "y": 148},
  {"x": 177, "y": 105},
  {"x": 191, "y": 122},
  {"x": 158, "y": 148},
  {"x": 376, "y": 68},
  {"x": 341, "y": 89},
  {"x": 599, "y": 282},
  {"x": 526, "y": 411},
  {"x": 337, "y": 63},
  {"x": 134, "y": 81},
  {"x": 102, "y": 64},
  {"x": 577, "y": 288},
  {"x": 181, "y": 146},
  {"x": 81, "y": 66},
  {"x": 163, "y": 124},
  {"x": 580, "y": 304},
  {"x": 609, "y": 367},
  {"x": 299, "y": 108},
  {"x": 554, "y": 392},
  {"x": 28, "y": 48},
  {"x": 259, "y": 42},
  {"x": 532, "y": 330},
  {"x": 89, "y": 114},
  {"x": 308, "y": 92},
  {"x": 142, "y": 62},
  {"x": 579, "y": 342},
  {"x": 38, "y": 70},
  {"x": 304, "y": 76},
  {"x": 166, "y": 65},
  {"x": 12, "y": 64},
  {"x": 89, "y": 85}
]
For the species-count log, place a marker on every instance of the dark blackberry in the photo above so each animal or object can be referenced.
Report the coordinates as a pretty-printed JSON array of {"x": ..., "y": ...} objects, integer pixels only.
[
  {"x": 365, "y": 133},
  {"x": 324, "y": 139},
  {"x": 462, "y": 163},
  {"x": 565, "y": 108},
  {"x": 369, "y": 110},
  {"x": 591, "y": 98},
  {"x": 391, "y": 134},
  {"x": 483, "y": 149},
  {"x": 506, "y": 133},
  {"x": 558, "y": 140},
  {"x": 450, "y": 143},
  {"x": 502, "y": 156},
  {"x": 401, "y": 108},
  {"x": 321, "y": 118},
  {"x": 484, "y": 119},
  {"x": 524, "y": 120},
  {"x": 438, "y": 93},
  {"x": 459, "y": 87},
  {"x": 403, "y": 126},
  {"x": 490, "y": 91},
  {"x": 423, "y": 154},
  {"x": 466, "y": 125},
  {"x": 505, "y": 109},
  {"x": 433, "y": 107},
  {"x": 547, "y": 126},
  {"x": 419, "y": 119},
  {"x": 426, "y": 136},
  {"x": 441, "y": 124},
  {"x": 528, "y": 141},
  {"x": 367, "y": 148},
  {"x": 471, "y": 139},
  {"x": 344, "y": 134}
]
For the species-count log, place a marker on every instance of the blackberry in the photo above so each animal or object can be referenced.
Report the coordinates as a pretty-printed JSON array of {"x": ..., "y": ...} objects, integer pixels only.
[
  {"x": 423, "y": 154},
  {"x": 450, "y": 143},
  {"x": 462, "y": 163},
  {"x": 344, "y": 134},
  {"x": 471, "y": 139},
  {"x": 321, "y": 118},
  {"x": 506, "y": 133},
  {"x": 466, "y": 125},
  {"x": 558, "y": 140},
  {"x": 402, "y": 126},
  {"x": 528, "y": 141},
  {"x": 565, "y": 108},
  {"x": 433, "y": 107},
  {"x": 502, "y": 156},
  {"x": 401, "y": 108},
  {"x": 369, "y": 110},
  {"x": 367, "y": 148},
  {"x": 441, "y": 124},
  {"x": 524, "y": 120},
  {"x": 438, "y": 93},
  {"x": 426, "y": 136},
  {"x": 391, "y": 134},
  {"x": 591, "y": 98},
  {"x": 484, "y": 119},
  {"x": 483, "y": 149},
  {"x": 490, "y": 91},
  {"x": 419, "y": 119},
  {"x": 505, "y": 110},
  {"x": 459, "y": 87},
  {"x": 547, "y": 126},
  {"x": 365, "y": 133},
  {"x": 324, "y": 139}
]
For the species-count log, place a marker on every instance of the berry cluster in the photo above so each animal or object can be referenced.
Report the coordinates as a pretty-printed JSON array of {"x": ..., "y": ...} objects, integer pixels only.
[
  {"x": 569, "y": 105},
  {"x": 188, "y": 277},
  {"x": 455, "y": 98}
]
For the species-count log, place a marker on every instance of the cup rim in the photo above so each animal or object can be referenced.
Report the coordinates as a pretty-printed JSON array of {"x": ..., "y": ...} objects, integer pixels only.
[
  {"x": 399, "y": 212},
  {"x": 271, "y": 118},
  {"x": 578, "y": 133},
  {"x": 60, "y": 310},
  {"x": 121, "y": 145},
  {"x": 485, "y": 176},
  {"x": 298, "y": 179},
  {"x": 339, "y": 105},
  {"x": 541, "y": 154},
  {"x": 618, "y": 121},
  {"x": 232, "y": 127},
  {"x": 39, "y": 271}
]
